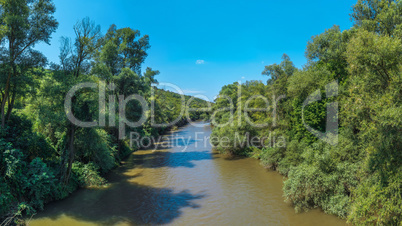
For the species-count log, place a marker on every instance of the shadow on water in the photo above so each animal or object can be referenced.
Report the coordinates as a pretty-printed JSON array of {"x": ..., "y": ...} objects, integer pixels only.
[
  {"x": 158, "y": 159},
  {"x": 174, "y": 140},
  {"x": 233, "y": 157},
  {"x": 127, "y": 201},
  {"x": 173, "y": 151},
  {"x": 123, "y": 201}
]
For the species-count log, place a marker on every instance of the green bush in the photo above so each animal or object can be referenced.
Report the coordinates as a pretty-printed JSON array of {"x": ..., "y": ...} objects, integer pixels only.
[
  {"x": 377, "y": 203},
  {"x": 310, "y": 186},
  {"x": 40, "y": 184},
  {"x": 24, "y": 186},
  {"x": 87, "y": 174}
]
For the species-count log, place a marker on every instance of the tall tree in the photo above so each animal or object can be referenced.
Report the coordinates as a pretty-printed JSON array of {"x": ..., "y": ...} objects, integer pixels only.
[
  {"x": 121, "y": 48},
  {"x": 380, "y": 16},
  {"x": 86, "y": 42},
  {"x": 76, "y": 59},
  {"x": 279, "y": 74},
  {"x": 23, "y": 24}
]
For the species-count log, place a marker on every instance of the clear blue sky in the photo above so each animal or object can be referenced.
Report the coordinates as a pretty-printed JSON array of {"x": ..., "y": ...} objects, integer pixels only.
[{"x": 231, "y": 40}]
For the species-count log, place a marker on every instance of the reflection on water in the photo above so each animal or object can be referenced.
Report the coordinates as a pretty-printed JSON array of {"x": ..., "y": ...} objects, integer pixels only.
[{"x": 172, "y": 186}]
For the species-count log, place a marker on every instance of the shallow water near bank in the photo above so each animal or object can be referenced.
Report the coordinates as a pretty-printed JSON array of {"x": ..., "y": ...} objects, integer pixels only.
[{"x": 184, "y": 184}]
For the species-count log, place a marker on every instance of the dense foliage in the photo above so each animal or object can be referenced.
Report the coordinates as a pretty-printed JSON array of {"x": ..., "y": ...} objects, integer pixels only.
[
  {"x": 360, "y": 177},
  {"x": 43, "y": 155},
  {"x": 354, "y": 171}
]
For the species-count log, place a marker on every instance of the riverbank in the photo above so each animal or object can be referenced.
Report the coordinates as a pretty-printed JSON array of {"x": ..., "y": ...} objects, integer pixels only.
[
  {"x": 172, "y": 186},
  {"x": 90, "y": 178}
]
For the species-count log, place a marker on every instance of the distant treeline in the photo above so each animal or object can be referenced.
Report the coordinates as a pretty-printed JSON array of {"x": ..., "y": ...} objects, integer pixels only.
[
  {"x": 360, "y": 177},
  {"x": 43, "y": 155}
]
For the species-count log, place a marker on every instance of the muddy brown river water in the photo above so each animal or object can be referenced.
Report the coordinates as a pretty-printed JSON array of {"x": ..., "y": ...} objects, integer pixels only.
[{"x": 184, "y": 184}]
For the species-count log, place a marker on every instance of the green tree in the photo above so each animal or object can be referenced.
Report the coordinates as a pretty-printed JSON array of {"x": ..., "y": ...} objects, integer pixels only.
[
  {"x": 23, "y": 25},
  {"x": 379, "y": 16}
]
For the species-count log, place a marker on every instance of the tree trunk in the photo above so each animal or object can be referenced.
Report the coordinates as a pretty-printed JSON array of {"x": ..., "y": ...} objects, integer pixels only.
[
  {"x": 71, "y": 132},
  {"x": 11, "y": 104},
  {"x": 4, "y": 100}
]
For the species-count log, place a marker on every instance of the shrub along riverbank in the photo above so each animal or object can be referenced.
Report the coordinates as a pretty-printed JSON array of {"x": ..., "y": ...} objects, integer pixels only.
[
  {"x": 43, "y": 156},
  {"x": 33, "y": 165},
  {"x": 359, "y": 178}
]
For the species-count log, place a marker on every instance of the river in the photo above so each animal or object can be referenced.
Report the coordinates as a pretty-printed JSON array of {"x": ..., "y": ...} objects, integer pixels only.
[{"x": 184, "y": 184}]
